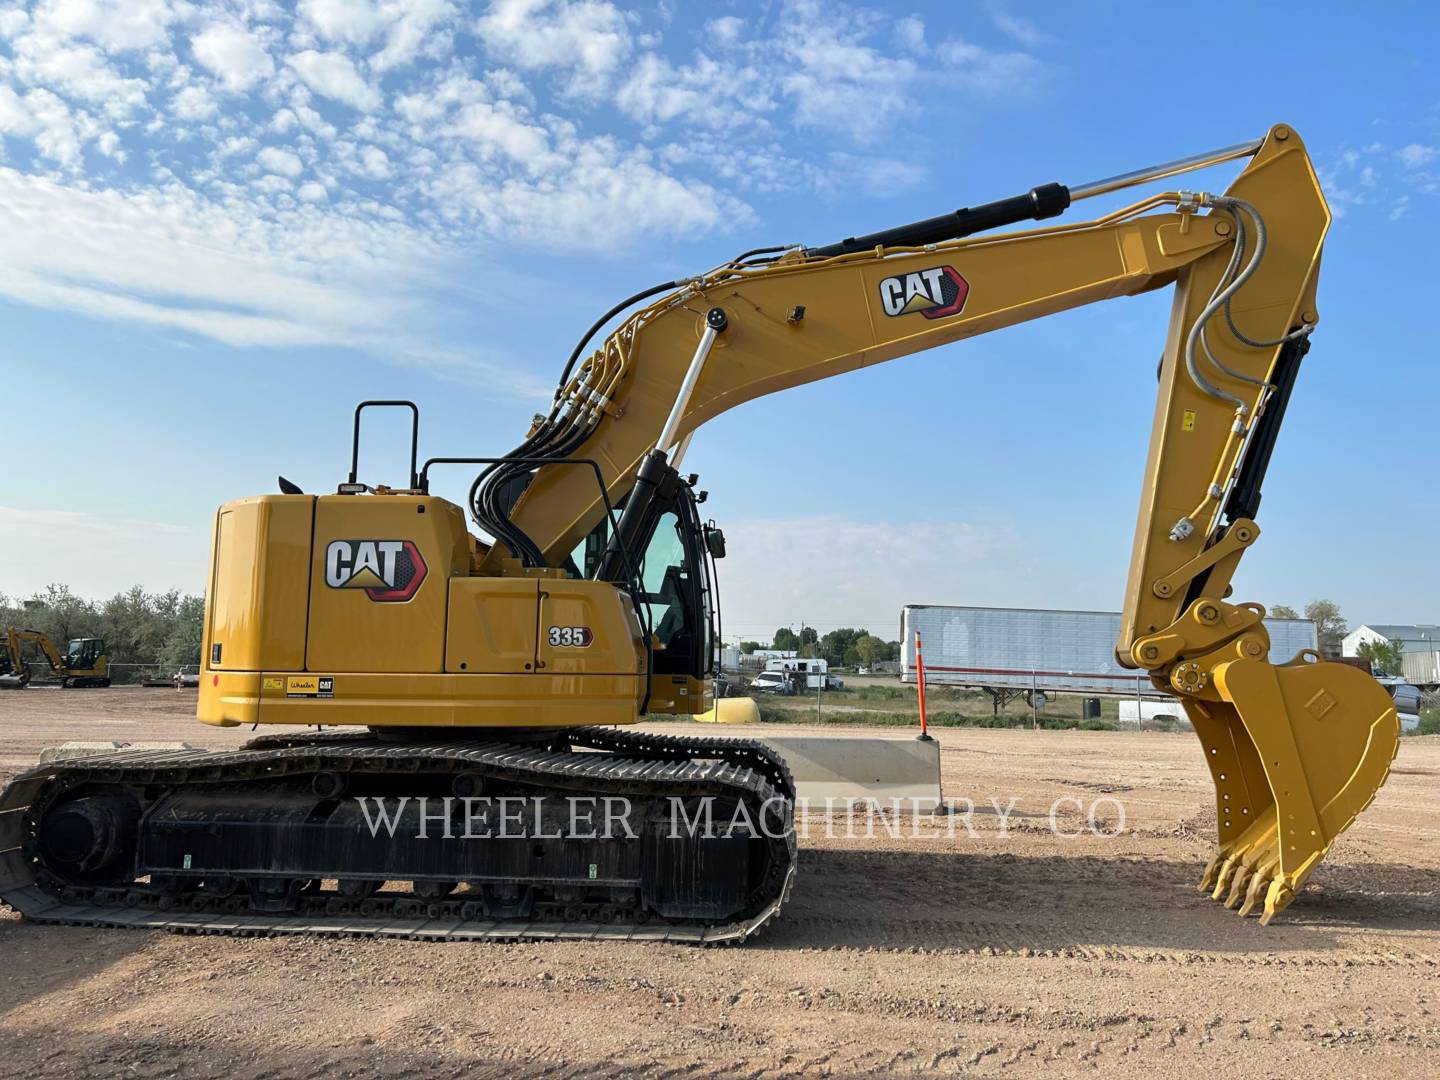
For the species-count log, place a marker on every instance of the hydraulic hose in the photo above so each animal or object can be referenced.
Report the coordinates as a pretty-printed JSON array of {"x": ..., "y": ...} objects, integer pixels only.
[
  {"x": 486, "y": 486},
  {"x": 644, "y": 294}
]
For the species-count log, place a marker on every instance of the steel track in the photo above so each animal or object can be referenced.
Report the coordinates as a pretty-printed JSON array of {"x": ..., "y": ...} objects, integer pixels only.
[{"x": 618, "y": 762}]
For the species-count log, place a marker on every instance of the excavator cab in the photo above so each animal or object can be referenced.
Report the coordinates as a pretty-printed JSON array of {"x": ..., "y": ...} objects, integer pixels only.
[
  {"x": 678, "y": 593},
  {"x": 83, "y": 654},
  {"x": 671, "y": 556}
]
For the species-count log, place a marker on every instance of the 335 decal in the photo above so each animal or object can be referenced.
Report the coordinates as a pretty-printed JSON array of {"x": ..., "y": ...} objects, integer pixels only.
[{"x": 572, "y": 637}]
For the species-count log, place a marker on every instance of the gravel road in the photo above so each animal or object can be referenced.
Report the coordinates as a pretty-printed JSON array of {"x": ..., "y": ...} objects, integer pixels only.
[{"x": 1012, "y": 952}]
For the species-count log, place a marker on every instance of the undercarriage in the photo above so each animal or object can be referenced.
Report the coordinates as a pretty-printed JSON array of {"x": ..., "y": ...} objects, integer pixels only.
[{"x": 587, "y": 833}]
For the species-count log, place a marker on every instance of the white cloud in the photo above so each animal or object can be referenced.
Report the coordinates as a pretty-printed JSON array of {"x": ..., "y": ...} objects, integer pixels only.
[
  {"x": 193, "y": 103},
  {"x": 875, "y": 174},
  {"x": 582, "y": 206},
  {"x": 842, "y": 572},
  {"x": 374, "y": 163},
  {"x": 77, "y": 69},
  {"x": 988, "y": 72},
  {"x": 836, "y": 81},
  {"x": 422, "y": 28},
  {"x": 1022, "y": 30},
  {"x": 235, "y": 144},
  {"x": 725, "y": 30},
  {"x": 233, "y": 53},
  {"x": 497, "y": 128},
  {"x": 169, "y": 257},
  {"x": 704, "y": 92},
  {"x": 586, "y": 37},
  {"x": 825, "y": 62},
  {"x": 45, "y": 118},
  {"x": 910, "y": 33},
  {"x": 1367, "y": 177},
  {"x": 355, "y": 22},
  {"x": 406, "y": 28},
  {"x": 1417, "y": 155},
  {"x": 257, "y": 188},
  {"x": 333, "y": 75},
  {"x": 95, "y": 554},
  {"x": 280, "y": 161},
  {"x": 114, "y": 25}
]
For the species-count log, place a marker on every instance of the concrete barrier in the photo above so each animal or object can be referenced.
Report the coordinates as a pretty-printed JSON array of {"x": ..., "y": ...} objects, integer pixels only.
[{"x": 865, "y": 769}]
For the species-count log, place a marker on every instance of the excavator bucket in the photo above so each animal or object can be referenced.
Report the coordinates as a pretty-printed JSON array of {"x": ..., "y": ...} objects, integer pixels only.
[{"x": 1296, "y": 752}]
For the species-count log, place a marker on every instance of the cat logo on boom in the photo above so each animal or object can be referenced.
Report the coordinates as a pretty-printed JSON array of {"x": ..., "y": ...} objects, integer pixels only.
[
  {"x": 934, "y": 293},
  {"x": 390, "y": 571}
]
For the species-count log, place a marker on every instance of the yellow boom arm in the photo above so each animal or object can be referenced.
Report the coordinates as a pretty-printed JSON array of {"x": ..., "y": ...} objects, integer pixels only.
[{"x": 1295, "y": 750}]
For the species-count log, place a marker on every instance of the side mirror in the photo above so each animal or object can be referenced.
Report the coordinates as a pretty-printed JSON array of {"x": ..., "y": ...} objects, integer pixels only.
[{"x": 714, "y": 542}]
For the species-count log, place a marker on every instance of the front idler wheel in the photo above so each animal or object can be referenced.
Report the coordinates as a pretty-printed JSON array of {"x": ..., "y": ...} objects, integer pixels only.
[{"x": 90, "y": 839}]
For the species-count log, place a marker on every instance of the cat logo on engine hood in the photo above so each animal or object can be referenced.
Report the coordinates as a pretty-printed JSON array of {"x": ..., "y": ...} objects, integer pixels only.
[
  {"x": 934, "y": 293},
  {"x": 390, "y": 571}
]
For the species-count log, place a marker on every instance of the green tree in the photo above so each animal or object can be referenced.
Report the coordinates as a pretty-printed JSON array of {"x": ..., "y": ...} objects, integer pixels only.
[
  {"x": 1386, "y": 657},
  {"x": 1330, "y": 626},
  {"x": 137, "y": 624},
  {"x": 785, "y": 639},
  {"x": 838, "y": 646},
  {"x": 59, "y": 614},
  {"x": 748, "y": 647},
  {"x": 138, "y": 627},
  {"x": 183, "y": 642},
  {"x": 1283, "y": 611},
  {"x": 871, "y": 650}
]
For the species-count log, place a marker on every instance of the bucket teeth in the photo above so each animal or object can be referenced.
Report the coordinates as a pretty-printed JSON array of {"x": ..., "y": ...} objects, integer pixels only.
[
  {"x": 1259, "y": 883},
  {"x": 1276, "y": 900},
  {"x": 1222, "y": 879},
  {"x": 1212, "y": 868},
  {"x": 1237, "y": 886},
  {"x": 1253, "y": 895},
  {"x": 1240, "y": 872}
]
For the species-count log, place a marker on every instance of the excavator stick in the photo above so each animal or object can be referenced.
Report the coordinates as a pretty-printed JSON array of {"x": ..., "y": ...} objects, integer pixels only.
[{"x": 1296, "y": 752}]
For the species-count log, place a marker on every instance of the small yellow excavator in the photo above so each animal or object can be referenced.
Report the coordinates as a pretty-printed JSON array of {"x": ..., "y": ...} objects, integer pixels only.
[
  {"x": 491, "y": 674},
  {"x": 83, "y": 663}
]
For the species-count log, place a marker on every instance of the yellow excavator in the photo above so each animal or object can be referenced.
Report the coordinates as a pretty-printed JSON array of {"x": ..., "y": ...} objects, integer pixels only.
[
  {"x": 484, "y": 683},
  {"x": 83, "y": 663}
]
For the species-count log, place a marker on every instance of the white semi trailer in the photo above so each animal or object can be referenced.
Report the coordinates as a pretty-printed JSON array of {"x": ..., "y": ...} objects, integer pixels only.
[
  {"x": 1421, "y": 669},
  {"x": 1037, "y": 650}
]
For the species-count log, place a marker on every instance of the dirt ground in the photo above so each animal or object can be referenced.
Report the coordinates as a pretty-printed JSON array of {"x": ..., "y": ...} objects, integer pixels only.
[{"x": 1015, "y": 952}]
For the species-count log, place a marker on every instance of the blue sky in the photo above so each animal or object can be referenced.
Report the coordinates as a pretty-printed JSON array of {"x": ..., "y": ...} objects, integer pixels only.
[{"x": 222, "y": 224}]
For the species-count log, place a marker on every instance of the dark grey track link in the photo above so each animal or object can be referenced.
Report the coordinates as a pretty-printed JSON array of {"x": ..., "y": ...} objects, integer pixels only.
[{"x": 651, "y": 765}]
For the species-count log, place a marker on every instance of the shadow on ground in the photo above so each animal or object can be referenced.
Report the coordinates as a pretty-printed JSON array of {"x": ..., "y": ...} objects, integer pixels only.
[{"x": 935, "y": 900}]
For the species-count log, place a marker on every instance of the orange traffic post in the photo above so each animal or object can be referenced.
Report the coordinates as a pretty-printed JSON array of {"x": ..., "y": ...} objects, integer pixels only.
[{"x": 920, "y": 682}]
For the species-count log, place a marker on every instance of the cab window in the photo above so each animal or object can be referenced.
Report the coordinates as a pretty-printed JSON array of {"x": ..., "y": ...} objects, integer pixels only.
[{"x": 666, "y": 580}]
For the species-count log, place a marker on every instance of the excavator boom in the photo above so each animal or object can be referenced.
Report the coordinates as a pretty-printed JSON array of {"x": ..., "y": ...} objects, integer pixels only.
[
  {"x": 595, "y": 602},
  {"x": 1296, "y": 751}
]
